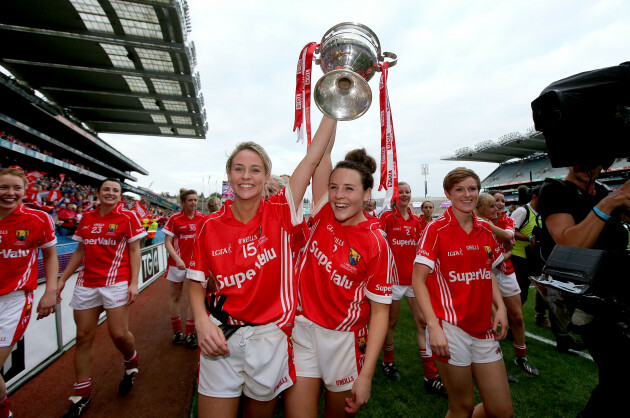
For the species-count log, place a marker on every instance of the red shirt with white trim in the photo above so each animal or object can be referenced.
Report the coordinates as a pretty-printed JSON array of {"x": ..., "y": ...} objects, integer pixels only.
[
  {"x": 106, "y": 260},
  {"x": 460, "y": 283},
  {"x": 251, "y": 263},
  {"x": 183, "y": 230},
  {"x": 402, "y": 236},
  {"x": 22, "y": 234},
  {"x": 507, "y": 223},
  {"x": 422, "y": 223},
  {"x": 343, "y": 266}
]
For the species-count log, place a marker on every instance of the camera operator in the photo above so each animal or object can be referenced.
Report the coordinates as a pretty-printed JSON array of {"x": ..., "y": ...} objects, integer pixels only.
[{"x": 580, "y": 212}]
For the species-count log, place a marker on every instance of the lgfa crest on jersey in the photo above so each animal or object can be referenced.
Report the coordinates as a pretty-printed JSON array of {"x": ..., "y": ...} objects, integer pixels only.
[
  {"x": 354, "y": 257},
  {"x": 112, "y": 227},
  {"x": 22, "y": 234},
  {"x": 488, "y": 250}
]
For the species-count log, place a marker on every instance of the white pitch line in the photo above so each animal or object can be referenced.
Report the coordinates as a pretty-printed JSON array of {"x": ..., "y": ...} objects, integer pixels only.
[{"x": 547, "y": 341}]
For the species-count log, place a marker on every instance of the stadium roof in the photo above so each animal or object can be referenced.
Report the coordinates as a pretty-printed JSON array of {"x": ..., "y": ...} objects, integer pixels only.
[
  {"x": 508, "y": 147},
  {"x": 120, "y": 66}
]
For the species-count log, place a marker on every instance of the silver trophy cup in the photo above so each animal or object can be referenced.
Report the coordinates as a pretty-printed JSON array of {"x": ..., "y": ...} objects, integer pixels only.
[{"x": 349, "y": 55}]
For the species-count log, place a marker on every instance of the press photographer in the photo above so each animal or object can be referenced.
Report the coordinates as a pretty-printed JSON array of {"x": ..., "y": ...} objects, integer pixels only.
[{"x": 586, "y": 123}]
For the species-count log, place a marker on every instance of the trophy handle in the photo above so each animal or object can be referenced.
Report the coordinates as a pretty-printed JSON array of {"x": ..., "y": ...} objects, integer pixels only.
[
  {"x": 392, "y": 56},
  {"x": 317, "y": 55}
]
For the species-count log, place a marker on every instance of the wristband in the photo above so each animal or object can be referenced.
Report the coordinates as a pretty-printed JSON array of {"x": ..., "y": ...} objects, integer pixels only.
[
  {"x": 530, "y": 238},
  {"x": 601, "y": 215}
]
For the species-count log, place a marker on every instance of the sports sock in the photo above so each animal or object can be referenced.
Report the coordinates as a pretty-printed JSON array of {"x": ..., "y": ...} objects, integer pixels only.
[
  {"x": 176, "y": 323},
  {"x": 520, "y": 350},
  {"x": 5, "y": 406},
  {"x": 430, "y": 372},
  {"x": 83, "y": 389},
  {"x": 132, "y": 363},
  {"x": 190, "y": 326},
  {"x": 388, "y": 353}
]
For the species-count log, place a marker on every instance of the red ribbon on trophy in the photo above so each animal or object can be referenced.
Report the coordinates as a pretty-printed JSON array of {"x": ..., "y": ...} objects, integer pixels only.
[
  {"x": 303, "y": 93},
  {"x": 389, "y": 161}
]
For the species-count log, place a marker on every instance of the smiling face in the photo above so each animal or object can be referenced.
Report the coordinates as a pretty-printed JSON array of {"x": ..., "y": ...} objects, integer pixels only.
[
  {"x": 11, "y": 192},
  {"x": 463, "y": 195},
  {"x": 247, "y": 175},
  {"x": 490, "y": 211},
  {"x": 404, "y": 194},
  {"x": 500, "y": 198},
  {"x": 346, "y": 196},
  {"x": 190, "y": 204},
  {"x": 109, "y": 194}
]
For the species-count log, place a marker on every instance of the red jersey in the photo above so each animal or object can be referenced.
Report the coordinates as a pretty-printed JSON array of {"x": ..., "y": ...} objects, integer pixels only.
[
  {"x": 106, "y": 260},
  {"x": 402, "y": 236},
  {"x": 341, "y": 266},
  {"x": 183, "y": 230},
  {"x": 22, "y": 234},
  {"x": 460, "y": 283},
  {"x": 250, "y": 263},
  {"x": 422, "y": 223},
  {"x": 507, "y": 223}
]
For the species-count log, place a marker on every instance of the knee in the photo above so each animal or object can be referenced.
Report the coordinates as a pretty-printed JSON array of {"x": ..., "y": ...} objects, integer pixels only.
[
  {"x": 392, "y": 322},
  {"x": 517, "y": 319},
  {"x": 85, "y": 336},
  {"x": 499, "y": 411},
  {"x": 119, "y": 335},
  {"x": 463, "y": 407}
]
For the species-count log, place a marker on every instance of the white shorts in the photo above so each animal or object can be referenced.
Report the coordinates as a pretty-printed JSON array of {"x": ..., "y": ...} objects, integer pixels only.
[
  {"x": 15, "y": 314},
  {"x": 336, "y": 357},
  {"x": 259, "y": 365},
  {"x": 399, "y": 291},
  {"x": 508, "y": 285},
  {"x": 109, "y": 297},
  {"x": 466, "y": 349},
  {"x": 176, "y": 275}
]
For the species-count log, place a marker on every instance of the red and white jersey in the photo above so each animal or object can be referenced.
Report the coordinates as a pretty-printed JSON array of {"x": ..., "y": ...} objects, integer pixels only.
[
  {"x": 106, "y": 260},
  {"x": 507, "y": 223},
  {"x": 423, "y": 224},
  {"x": 343, "y": 265},
  {"x": 183, "y": 230},
  {"x": 251, "y": 263},
  {"x": 460, "y": 283},
  {"x": 22, "y": 234},
  {"x": 402, "y": 236}
]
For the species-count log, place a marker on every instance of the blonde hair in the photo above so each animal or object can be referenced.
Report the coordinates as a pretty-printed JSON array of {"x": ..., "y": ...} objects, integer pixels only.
[
  {"x": 251, "y": 146},
  {"x": 14, "y": 172},
  {"x": 214, "y": 204},
  {"x": 485, "y": 200}
]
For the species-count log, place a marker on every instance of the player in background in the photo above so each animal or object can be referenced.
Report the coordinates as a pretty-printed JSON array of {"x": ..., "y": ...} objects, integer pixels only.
[
  {"x": 245, "y": 250},
  {"x": 506, "y": 279},
  {"x": 403, "y": 230},
  {"x": 427, "y": 214},
  {"x": 23, "y": 232},
  {"x": 344, "y": 284},
  {"x": 109, "y": 249},
  {"x": 179, "y": 234},
  {"x": 214, "y": 204},
  {"x": 456, "y": 290}
]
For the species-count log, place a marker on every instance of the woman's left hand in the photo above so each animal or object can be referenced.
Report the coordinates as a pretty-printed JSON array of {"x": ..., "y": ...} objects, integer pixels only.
[
  {"x": 46, "y": 305},
  {"x": 132, "y": 293},
  {"x": 500, "y": 319},
  {"x": 360, "y": 394}
]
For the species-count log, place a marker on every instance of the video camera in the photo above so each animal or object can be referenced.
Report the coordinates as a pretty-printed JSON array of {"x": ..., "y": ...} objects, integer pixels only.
[{"x": 585, "y": 119}]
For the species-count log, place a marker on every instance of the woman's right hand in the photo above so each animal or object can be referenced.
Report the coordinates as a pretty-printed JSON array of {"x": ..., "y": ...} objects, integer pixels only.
[
  {"x": 210, "y": 338},
  {"x": 180, "y": 264},
  {"x": 60, "y": 285},
  {"x": 439, "y": 343}
]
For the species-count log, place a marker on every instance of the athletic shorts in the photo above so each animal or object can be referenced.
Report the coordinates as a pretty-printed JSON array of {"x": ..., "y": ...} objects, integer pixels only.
[
  {"x": 466, "y": 349},
  {"x": 336, "y": 357},
  {"x": 259, "y": 365},
  {"x": 508, "y": 285},
  {"x": 399, "y": 291},
  {"x": 176, "y": 275},
  {"x": 15, "y": 313},
  {"x": 109, "y": 297}
]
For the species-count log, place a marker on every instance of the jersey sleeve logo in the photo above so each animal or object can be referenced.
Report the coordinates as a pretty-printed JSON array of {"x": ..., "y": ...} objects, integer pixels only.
[
  {"x": 488, "y": 250},
  {"x": 112, "y": 227},
  {"x": 354, "y": 257},
  {"x": 22, "y": 234}
]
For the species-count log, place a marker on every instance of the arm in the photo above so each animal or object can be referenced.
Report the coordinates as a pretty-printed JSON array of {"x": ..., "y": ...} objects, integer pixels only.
[
  {"x": 565, "y": 231},
  {"x": 134, "y": 260},
  {"x": 439, "y": 344},
  {"x": 503, "y": 234},
  {"x": 211, "y": 340},
  {"x": 500, "y": 316},
  {"x": 168, "y": 243},
  {"x": 321, "y": 176},
  {"x": 521, "y": 237},
  {"x": 48, "y": 301},
  {"x": 379, "y": 320},
  {"x": 73, "y": 265},
  {"x": 304, "y": 171}
]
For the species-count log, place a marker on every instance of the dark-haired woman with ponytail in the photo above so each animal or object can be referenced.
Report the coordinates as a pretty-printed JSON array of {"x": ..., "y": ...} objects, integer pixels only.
[
  {"x": 180, "y": 233},
  {"x": 347, "y": 261},
  {"x": 109, "y": 248}
]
